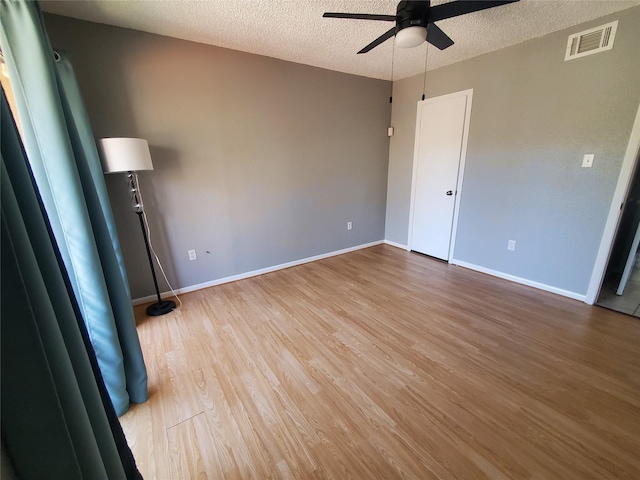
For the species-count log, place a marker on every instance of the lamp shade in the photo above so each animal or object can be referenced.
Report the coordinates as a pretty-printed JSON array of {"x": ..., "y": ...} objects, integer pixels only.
[
  {"x": 125, "y": 155},
  {"x": 411, "y": 37}
]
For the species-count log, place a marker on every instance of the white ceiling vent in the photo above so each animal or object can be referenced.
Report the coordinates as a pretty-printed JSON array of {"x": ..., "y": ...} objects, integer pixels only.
[{"x": 591, "y": 41}]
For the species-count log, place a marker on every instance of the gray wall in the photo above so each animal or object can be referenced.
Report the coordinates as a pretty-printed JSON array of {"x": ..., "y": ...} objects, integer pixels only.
[
  {"x": 257, "y": 161},
  {"x": 533, "y": 117}
]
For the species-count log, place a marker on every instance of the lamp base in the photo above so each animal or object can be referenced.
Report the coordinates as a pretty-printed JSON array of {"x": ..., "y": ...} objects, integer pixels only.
[{"x": 160, "y": 308}]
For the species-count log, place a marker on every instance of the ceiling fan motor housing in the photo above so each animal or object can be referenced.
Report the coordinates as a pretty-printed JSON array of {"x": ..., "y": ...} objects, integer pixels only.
[{"x": 412, "y": 13}]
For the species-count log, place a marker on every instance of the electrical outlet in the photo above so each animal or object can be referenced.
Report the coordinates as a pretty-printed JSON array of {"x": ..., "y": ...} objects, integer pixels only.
[
  {"x": 349, "y": 225},
  {"x": 587, "y": 160},
  {"x": 192, "y": 255},
  {"x": 511, "y": 245}
]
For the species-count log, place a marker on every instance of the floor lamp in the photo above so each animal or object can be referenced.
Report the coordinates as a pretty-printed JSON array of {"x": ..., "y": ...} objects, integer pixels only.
[{"x": 131, "y": 155}]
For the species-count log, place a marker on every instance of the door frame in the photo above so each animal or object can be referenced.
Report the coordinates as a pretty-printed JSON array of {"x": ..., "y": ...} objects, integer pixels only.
[
  {"x": 615, "y": 212},
  {"x": 463, "y": 156}
]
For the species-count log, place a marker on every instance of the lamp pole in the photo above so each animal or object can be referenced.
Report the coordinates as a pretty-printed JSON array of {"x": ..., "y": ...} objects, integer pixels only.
[{"x": 161, "y": 306}]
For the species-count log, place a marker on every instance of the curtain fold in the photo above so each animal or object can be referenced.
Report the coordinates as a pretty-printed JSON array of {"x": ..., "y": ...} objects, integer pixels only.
[
  {"x": 63, "y": 158},
  {"x": 57, "y": 419}
]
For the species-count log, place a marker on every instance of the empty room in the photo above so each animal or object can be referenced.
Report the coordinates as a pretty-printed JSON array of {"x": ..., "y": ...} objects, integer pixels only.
[{"x": 323, "y": 239}]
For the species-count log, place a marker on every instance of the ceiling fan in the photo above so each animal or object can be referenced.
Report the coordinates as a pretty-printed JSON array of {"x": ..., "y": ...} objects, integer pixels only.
[{"x": 414, "y": 16}]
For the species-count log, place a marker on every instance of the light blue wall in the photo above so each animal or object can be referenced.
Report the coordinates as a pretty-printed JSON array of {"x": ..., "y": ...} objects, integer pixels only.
[{"x": 533, "y": 118}]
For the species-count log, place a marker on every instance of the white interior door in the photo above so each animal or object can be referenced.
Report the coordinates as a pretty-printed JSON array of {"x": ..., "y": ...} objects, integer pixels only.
[{"x": 440, "y": 144}]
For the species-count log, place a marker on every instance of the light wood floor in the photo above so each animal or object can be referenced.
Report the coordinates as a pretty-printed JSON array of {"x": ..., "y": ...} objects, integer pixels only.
[{"x": 383, "y": 364}]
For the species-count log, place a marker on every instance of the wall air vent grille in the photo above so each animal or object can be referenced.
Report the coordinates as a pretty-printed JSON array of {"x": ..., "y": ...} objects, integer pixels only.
[{"x": 591, "y": 41}]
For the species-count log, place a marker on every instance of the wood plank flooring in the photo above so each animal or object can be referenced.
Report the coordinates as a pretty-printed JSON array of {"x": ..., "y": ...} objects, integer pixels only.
[{"x": 384, "y": 364}]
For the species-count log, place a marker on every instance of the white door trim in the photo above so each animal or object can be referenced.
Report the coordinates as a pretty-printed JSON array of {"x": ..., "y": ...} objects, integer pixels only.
[
  {"x": 621, "y": 191},
  {"x": 463, "y": 158}
]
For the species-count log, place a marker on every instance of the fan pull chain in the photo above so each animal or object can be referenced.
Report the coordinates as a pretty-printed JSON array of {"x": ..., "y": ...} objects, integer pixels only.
[
  {"x": 426, "y": 57},
  {"x": 393, "y": 54}
]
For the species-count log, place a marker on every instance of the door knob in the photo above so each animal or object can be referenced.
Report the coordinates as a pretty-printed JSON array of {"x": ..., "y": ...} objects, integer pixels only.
[{"x": 449, "y": 192}]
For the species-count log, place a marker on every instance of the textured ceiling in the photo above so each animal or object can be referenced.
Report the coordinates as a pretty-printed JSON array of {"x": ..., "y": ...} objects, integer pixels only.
[{"x": 294, "y": 30}]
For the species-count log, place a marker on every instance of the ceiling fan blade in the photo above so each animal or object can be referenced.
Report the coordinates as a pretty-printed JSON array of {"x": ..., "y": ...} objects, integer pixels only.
[
  {"x": 361, "y": 16},
  {"x": 382, "y": 38},
  {"x": 437, "y": 38},
  {"x": 461, "y": 7}
]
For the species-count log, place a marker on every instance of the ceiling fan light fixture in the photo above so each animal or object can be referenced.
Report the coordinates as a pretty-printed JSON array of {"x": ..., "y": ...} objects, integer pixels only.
[
  {"x": 411, "y": 37},
  {"x": 414, "y": 16}
]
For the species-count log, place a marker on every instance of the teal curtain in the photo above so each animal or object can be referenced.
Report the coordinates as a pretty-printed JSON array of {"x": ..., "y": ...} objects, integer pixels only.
[
  {"x": 57, "y": 420},
  {"x": 62, "y": 155}
]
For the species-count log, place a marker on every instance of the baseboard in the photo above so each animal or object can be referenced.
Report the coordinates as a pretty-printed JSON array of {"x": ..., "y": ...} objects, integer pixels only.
[
  {"x": 397, "y": 245},
  {"x": 254, "y": 273},
  {"x": 522, "y": 281}
]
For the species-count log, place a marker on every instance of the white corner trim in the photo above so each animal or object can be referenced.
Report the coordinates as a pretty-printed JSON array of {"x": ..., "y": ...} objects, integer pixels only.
[
  {"x": 253, "y": 273},
  {"x": 615, "y": 212},
  {"x": 520, "y": 280},
  {"x": 397, "y": 245}
]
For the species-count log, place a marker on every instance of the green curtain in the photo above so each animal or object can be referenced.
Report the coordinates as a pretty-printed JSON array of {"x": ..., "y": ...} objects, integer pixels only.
[
  {"x": 57, "y": 418},
  {"x": 63, "y": 157}
]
